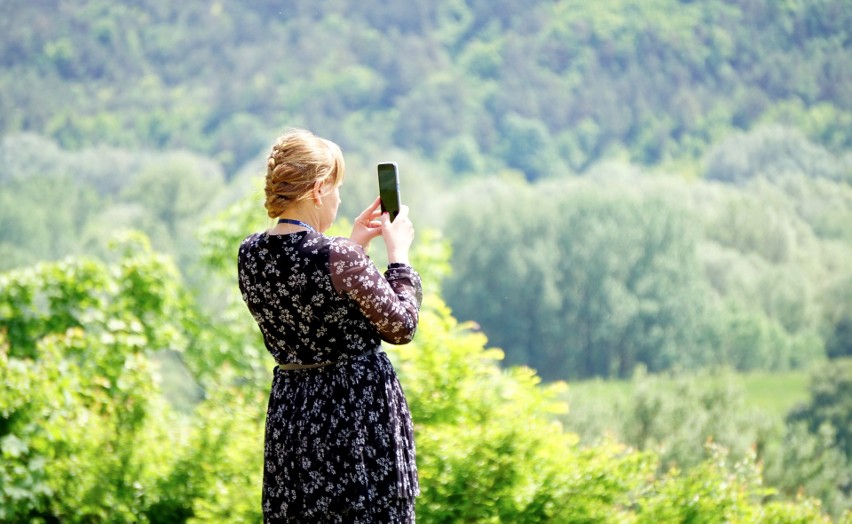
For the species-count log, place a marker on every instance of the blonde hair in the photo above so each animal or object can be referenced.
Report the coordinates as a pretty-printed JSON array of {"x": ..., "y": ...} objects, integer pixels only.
[{"x": 299, "y": 159}]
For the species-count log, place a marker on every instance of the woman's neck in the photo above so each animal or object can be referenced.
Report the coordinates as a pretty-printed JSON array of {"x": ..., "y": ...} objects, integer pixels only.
[{"x": 300, "y": 215}]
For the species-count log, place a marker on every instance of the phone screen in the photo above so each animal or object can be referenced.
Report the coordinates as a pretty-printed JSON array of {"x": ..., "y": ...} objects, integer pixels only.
[{"x": 389, "y": 188}]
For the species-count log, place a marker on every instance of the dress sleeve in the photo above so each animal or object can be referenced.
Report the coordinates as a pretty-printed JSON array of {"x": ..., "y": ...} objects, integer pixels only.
[{"x": 389, "y": 302}]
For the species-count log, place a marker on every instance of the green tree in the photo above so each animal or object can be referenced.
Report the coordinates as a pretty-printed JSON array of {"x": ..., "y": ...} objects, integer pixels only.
[
  {"x": 689, "y": 419},
  {"x": 677, "y": 416},
  {"x": 771, "y": 152},
  {"x": 604, "y": 281},
  {"x": 811, "y": 463},
  {"x": 830, "y": 402},
  {"x": 175, "y": 195},
  {"x": 78, "y": 382},
  {"x": 527, "y": 146}
]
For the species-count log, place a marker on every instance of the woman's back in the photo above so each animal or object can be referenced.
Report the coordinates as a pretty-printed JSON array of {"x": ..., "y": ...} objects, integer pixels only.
[{"x": 339, "y": 436}]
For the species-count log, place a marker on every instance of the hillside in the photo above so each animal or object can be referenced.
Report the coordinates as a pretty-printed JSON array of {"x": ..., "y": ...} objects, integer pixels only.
[
  {"x": 153, "y": 116},
  {"x": 477, "y": 85}
]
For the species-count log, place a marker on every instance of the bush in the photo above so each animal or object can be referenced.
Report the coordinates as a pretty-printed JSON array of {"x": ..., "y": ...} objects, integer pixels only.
[{"x": 86, "y": 435}]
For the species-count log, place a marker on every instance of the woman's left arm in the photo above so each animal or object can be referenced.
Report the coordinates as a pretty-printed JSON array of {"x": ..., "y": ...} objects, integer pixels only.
[{"x": 390, "y": 302}]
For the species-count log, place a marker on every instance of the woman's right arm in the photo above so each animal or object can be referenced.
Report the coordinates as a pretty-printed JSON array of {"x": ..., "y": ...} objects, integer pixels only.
[{"x": 398, "y": 235}]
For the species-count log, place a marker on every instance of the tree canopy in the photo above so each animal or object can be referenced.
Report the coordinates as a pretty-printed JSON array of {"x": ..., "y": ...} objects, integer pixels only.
[{"x": 541, "y": 88}]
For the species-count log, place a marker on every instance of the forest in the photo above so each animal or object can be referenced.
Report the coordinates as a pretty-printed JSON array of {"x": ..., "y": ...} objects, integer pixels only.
[{"x": 645, "y": 197}]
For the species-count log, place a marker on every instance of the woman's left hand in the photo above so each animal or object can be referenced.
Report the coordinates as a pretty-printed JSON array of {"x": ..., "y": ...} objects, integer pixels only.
[{"x": 367, "y": 225}]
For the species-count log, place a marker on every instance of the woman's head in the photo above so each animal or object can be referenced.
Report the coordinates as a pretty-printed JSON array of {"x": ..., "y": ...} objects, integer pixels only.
[{"x": 299, "y": 161}]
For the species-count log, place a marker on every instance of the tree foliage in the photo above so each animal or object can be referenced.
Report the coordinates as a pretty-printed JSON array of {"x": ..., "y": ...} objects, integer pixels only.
[
  {"x": 689, "y": 418},
  {"x": 829, "y": 404},
  {"x": 86, "y": 435},
  {"x": 594, "y": 276},
  {"x": 532, "y": 87},
  {"x": 59, "y": 202}
]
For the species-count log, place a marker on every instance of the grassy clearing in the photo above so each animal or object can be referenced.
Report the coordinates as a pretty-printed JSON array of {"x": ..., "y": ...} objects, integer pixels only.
[{"x": 774, "y": 393}]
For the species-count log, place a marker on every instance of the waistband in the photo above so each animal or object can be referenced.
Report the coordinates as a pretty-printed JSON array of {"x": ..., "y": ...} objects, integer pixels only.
[{"x": 296, "y": 367}]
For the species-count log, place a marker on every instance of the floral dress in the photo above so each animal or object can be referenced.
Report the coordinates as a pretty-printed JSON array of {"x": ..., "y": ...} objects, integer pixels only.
[{"x": 339, "y": 444}]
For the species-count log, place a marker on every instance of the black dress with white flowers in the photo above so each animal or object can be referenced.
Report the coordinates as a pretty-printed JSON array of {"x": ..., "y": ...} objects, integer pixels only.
[{"x": 339, "y": 443}]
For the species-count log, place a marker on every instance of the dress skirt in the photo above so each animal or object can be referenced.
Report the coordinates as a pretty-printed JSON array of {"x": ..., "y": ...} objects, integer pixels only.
[{"x": 339, "y": 443}]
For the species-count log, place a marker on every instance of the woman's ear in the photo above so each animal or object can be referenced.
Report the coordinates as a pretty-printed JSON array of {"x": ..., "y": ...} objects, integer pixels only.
[{"x": 318, "y": 193}]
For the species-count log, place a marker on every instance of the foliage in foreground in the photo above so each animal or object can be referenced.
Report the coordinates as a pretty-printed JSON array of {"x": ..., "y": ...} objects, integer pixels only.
[
  {"x": 85, "y": 435},
  {"x": 685, "y": 418}
]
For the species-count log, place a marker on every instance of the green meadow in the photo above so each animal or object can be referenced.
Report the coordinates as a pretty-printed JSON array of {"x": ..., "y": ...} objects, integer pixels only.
[{"x": 774, "y": 393}]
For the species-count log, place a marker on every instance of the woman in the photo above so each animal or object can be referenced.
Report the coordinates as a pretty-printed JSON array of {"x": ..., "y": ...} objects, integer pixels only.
[{"x": 339, "y": 443}]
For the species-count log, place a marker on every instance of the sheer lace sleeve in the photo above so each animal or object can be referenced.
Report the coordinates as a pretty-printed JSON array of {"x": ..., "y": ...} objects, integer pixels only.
[{"x": 390, "y": 302}]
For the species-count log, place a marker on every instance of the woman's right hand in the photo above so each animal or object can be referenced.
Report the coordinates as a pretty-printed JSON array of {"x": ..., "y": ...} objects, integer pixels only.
[
  {"x": 367, "y": 225},
  {"x": 398, "y": 235}
]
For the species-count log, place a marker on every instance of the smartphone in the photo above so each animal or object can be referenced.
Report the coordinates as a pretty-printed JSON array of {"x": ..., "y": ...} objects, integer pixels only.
[{"x": 389, "y": 188}]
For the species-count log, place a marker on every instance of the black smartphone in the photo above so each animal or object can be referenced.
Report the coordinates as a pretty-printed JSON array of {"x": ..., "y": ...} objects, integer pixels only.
[{"x": 389, "y": 188}]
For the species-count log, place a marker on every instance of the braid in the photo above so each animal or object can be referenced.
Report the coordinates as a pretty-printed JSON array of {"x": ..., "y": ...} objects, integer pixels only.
[{"x": 297, "y": 161}]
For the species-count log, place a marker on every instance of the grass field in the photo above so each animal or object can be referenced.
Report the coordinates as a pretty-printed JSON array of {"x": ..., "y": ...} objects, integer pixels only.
[{"x": 774, "y": 393}]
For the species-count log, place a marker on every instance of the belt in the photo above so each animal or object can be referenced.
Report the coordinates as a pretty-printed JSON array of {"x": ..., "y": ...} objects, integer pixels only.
[{"x": 296, "y": 367}]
